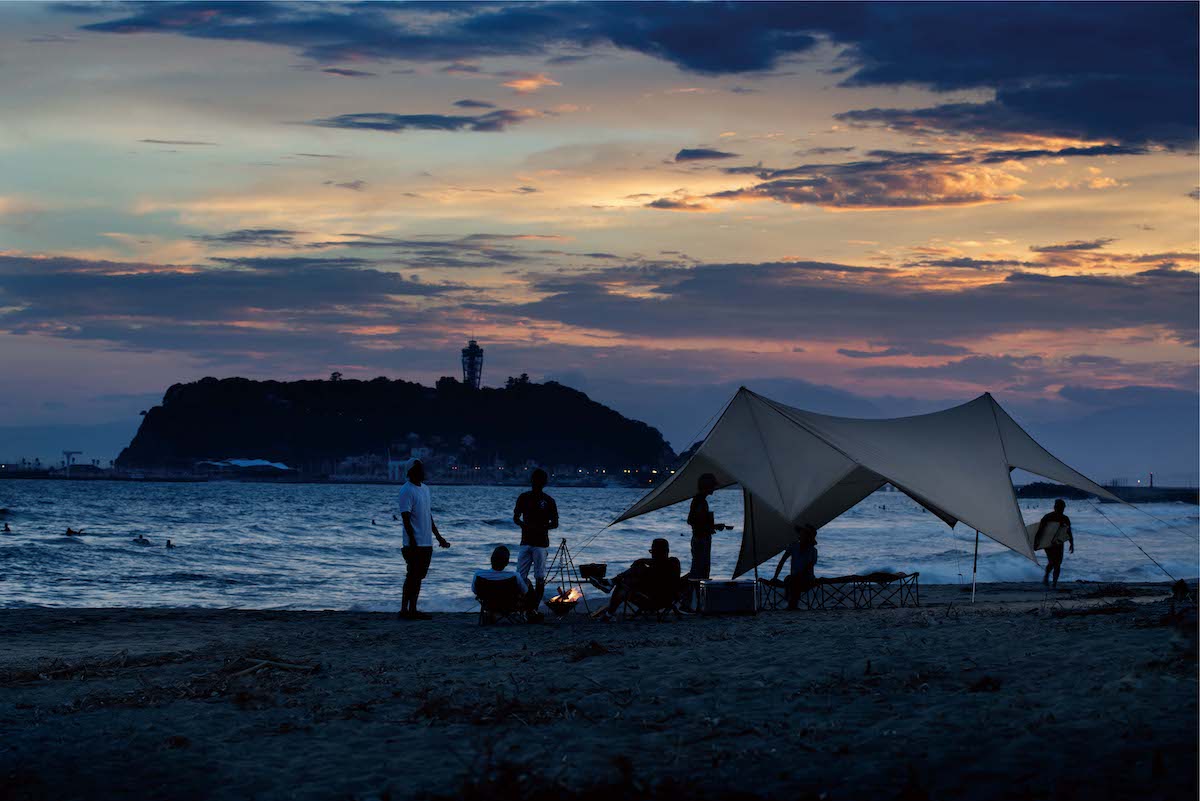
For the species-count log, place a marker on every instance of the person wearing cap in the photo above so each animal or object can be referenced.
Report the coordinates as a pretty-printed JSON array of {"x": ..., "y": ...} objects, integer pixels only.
[
  {"x": 700, "y": 518},
  {"x": 536, "y": 514},
  {"x": 416, "y": 514},
  {"x": 655, "y": 577}
]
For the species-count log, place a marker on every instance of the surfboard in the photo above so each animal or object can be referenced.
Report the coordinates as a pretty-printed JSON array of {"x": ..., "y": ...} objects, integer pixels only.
[{"x": 1049, "y": 536}]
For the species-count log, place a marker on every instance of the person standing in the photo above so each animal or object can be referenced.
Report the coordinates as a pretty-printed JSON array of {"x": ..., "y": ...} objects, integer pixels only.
[
  {"x": 700, "y": 518},
  {"x": 1052, "y": 533},
  {"x": 416, "y": 514},
  {"x": 536, "y": 514}
]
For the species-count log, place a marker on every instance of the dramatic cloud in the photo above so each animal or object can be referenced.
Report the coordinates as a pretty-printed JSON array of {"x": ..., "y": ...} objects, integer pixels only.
[
  {"x": 498, "y": 120},
  {"x": 894, "y": 181},
  {"x": 525, "y": 83},
  {"x": 169, "y": 307},
  {"x": 1073, "y": 247},
  {"x": 919, "y": 349},
  {"x": 678, "y": 204},
  {"x": 1118, "y": 72},
  {"x": 703, "y": 154},
  {"x": 345, "y": 73},
  {"x": 259, "y": 237},
  {"x": 830, "y": 302}
]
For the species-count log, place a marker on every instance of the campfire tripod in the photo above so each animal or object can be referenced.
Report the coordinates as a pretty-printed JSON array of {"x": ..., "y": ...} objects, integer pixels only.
[{"x": 563, "y": 574}]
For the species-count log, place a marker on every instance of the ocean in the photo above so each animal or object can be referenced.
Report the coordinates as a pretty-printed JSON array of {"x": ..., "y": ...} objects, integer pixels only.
[{"x": 296, "y": 546}]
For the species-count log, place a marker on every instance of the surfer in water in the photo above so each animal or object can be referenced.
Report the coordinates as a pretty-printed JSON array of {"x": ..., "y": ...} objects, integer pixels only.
[
  {"x": 1052, "y": 533},
  {"x": 140, "y": 540}
]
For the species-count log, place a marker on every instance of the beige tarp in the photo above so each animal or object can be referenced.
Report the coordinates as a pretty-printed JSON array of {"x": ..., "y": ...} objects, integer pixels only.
[{"x": 801, "y": 468}]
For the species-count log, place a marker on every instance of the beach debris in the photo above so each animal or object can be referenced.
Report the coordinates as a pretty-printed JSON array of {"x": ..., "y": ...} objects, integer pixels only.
[
  {"x": 593, "y": 648},
  {"x": 258, "y": 664},
  {"x": 1102, "y": 609}
]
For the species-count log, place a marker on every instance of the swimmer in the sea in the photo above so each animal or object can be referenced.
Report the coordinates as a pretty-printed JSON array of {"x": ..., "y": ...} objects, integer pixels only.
[
  {"x": 7, "y": 530},
  {"x": 140, "y": 540},
  {"x": 373, "y": 523},
  {"x": 72, "y": 532},
  {"x": 170, "y": 544}
]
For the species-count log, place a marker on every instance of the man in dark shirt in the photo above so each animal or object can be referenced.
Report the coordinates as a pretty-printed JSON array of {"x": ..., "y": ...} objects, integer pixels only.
[
  {"x": 701, "y": 521},
  {"x": 1060, "y": 524},
  {"x": 536, "y": 514},
  {"x": 655, "y": 580}
]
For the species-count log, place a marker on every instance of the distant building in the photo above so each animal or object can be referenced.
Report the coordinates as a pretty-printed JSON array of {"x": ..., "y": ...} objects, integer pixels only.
[{"x": 472, "y": 364}]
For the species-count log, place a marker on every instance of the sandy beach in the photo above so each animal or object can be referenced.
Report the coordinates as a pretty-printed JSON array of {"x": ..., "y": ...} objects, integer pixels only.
[{"x": 1090, "y": 695}]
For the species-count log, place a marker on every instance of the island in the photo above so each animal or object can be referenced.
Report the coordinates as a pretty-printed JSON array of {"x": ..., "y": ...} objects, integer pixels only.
[{"x": 351, "y": 429}]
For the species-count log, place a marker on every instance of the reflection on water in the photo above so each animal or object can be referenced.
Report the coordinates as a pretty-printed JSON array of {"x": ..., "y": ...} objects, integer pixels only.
[{"x": 314, "y": 546}]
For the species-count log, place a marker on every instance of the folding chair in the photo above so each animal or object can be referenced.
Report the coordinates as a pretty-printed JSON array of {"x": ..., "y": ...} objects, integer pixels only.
[
  {"x": 644, "y": 606},
  {"x": 839, "y": 593},
  {"x": 499, "y": 601},
  {"x": 891, "y": 592}
]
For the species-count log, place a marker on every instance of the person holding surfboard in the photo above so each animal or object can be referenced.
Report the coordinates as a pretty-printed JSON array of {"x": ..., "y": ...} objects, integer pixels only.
[{"x": 1052, "y": 533}]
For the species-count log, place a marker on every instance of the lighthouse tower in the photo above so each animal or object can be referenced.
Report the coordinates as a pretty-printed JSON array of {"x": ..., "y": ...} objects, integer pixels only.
[{"x": 472, "y": 364}]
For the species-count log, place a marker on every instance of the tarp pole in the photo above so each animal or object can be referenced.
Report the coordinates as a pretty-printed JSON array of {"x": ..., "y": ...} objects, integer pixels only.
[{"x": 975, "y": 567}]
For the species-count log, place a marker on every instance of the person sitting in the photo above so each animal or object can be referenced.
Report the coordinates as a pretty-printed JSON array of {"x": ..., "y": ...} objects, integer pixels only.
[
  {"x": 494, "y": 604},
  {"x": 7, "y": 530},
  {"x": 170, "y": 544},
  {"x": 650, "y": 583},
  {"x": 803, "y": 554}
]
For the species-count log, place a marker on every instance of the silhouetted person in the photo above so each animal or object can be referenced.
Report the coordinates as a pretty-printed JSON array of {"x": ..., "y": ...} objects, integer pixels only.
[
  {"x": 72, "y": 532},
  {"x": 373, "y": 523},
  {"x": 500, "y": 559},
  {"x": 170, "y": 544},
  {"x": 140, "y": 540},
  {"x": 1054, "y": 548},
  {"x": 803, "y": 555},
  {"x": 656, "y": 577},
  {"x": 416, "y": 512},
  {"x": 7, "y": 530},
  {"x": 536, "y": 514},
  {"x": 700, "y": 518}
]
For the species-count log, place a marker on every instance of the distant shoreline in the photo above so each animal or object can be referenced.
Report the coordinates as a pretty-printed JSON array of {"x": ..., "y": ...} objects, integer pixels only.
[{"x": 1037, "y": 490}]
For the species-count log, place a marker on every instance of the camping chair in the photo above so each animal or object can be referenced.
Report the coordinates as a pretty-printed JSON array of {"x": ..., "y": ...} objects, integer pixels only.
[
  {"x": 772, "y": 595},
  {"x": 499, "y": 601},
  {"x": 890, "y": 590},
  {"x": 656, "y": 604}
]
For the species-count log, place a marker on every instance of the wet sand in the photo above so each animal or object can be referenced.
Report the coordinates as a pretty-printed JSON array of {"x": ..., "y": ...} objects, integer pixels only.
[{"x": 1089, "y": 694}]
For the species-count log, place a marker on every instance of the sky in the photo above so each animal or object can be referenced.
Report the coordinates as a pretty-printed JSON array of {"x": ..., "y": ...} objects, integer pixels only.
[{"x": 872, "y": 209}]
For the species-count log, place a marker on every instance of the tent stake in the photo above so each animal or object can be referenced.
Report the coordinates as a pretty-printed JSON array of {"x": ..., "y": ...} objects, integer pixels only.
[{"x": 975, "y": 567}]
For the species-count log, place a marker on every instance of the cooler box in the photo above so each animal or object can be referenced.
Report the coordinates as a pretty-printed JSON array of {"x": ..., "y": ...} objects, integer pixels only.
[{"x": 727, "y": 598}]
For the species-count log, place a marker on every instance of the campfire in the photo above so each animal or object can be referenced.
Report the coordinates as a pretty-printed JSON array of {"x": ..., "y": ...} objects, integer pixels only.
[{"x": 565, "y": 601}]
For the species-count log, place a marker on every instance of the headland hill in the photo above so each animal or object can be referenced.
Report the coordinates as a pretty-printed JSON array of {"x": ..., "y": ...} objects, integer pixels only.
[{"x": 350, "y": 430}]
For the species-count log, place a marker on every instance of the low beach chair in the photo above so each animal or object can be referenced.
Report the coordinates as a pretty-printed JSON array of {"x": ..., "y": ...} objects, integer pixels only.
[
  {"x": 499, "y": 601},
  {"x": 772, "y": 595},
  {"x": 657, "y": 605},
  {"x": 869, "y": 591}
]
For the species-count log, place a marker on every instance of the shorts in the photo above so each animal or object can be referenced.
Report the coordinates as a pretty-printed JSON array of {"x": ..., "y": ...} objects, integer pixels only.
[
  {"x": 531, "y": 556},
  {"x": 417, "y": 557}
]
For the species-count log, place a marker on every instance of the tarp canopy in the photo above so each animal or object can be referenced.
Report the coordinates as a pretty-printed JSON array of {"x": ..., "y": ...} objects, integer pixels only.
[{"x": 801, "y": 468}]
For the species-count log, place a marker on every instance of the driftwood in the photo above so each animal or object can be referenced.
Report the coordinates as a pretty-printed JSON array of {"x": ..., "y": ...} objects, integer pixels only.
[{"x": 260, "y": 664}]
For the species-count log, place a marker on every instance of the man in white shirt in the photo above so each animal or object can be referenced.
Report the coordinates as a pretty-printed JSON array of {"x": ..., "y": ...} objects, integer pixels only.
[{"x": 416, "y": 513}]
